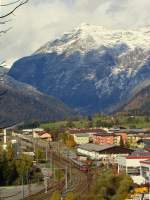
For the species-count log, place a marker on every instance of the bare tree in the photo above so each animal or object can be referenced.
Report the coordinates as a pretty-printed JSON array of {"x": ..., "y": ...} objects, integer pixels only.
[
  {"x": 12, "y": 6},
  {"x": 5, "y": 17},
  {"x": 16, "y": 4}
]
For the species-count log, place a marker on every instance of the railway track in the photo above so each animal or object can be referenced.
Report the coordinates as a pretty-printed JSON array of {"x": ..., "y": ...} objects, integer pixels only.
[
  {"x": 79, "y": 183},
  {"x": 45, "y": 196},
  {"x": 82, "y": 181}
]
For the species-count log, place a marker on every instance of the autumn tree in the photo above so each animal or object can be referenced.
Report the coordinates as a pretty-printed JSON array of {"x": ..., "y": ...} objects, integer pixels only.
[
  {"x": 70, "y": 141},
  {"x": 70, "y": 196},
  {"x": 108, "y": 186},
  {"x": 39, "y": 154},
  {"x": 64, "y": 137},
  {"x": 10, "y": 152},
  {"x": 56, "y": 196},
  {"x": 121, "y": 142}
]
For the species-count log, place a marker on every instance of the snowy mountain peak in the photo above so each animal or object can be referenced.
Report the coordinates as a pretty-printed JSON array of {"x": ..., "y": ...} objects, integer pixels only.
[
  {"x": 83, "y": 25},
  {"x": 87, "y": 37},
  {"x": 89, "y": 28},
  {"x": 91, "y": 68}
]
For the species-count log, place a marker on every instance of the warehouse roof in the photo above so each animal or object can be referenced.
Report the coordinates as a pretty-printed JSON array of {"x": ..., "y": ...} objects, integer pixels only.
[
  {"x": 95, "y": 147},
  {"x": 105, "y": 148}
]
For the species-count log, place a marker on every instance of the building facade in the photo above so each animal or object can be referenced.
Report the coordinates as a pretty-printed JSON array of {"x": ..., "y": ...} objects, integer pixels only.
[
  {"x": 102, "y": 152},
  {"x": 131, "y": 164},
  {"x": 145, "y": 170},
  {"x": 103, "y": 139},
  {"x": 81, "y": 138}
]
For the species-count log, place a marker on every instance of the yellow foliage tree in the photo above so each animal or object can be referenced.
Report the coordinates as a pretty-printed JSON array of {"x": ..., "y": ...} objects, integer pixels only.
[
  {"x": 70, "y": 196},
  {"x": 55, "y": 196},
  {"x": 70, "y": 141}
]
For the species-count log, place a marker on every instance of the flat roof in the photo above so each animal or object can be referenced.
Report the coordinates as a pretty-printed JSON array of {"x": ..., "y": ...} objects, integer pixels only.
[
  {"x": 95, "y": 147},
  {"x": 81, "y": 135},
  {"x": 139, "y": 155},
  {"x": 146, "y": 162},
  {"x": 146, "y": 141},
  {"x": 104, "y": 134}
]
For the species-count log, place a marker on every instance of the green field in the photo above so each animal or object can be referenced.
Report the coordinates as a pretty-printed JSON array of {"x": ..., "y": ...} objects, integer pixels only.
[{"x": 98, "y": 120}]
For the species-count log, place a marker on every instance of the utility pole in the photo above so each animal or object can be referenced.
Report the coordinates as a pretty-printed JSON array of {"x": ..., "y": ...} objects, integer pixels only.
[
  {"x": 58, "y": 149},
  {"x": 46, "y": 153},
  {"x": 66, "y": 178},
  {"x": 54, "y": 174},
  {"x": 22, "y": 188},
  {"x": 70, "y": 172},
  {"x": 5, "y": 140},
  {"x": 52, "y": 159}
]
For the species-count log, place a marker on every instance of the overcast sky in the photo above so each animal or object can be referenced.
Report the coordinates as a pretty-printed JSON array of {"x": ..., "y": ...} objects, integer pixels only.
[{"x": 42, "y": 20}]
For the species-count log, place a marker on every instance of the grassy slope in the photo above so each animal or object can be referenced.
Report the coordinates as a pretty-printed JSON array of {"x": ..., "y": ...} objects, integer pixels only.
[{"x": 119, "y": 120}]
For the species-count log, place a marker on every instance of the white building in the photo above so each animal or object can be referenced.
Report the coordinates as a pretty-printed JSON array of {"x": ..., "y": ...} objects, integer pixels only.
[
  {"x": 81, "y": 138},
  {"x": 132, "y": 165},
  {"x": 145, "y": 170},
  {"x": 102, "y": 152}
]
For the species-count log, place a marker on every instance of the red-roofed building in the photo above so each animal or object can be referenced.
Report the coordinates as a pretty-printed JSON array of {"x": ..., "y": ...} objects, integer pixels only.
[
  {"x": 131, "y": 163},
  {"x": 46, "y": 136},
  {"x": 43, "y": 135}
]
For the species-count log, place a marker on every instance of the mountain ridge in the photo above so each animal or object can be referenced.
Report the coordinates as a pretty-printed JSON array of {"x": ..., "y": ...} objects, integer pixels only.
[
  {"x": 90, "y": 69},
  {"x": 20, "y": 102},
  {"x": 140, "y": 103}
]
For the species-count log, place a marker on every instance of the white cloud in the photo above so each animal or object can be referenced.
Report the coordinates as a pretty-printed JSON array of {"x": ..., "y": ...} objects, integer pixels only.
[{"x": 43, "y": 20}]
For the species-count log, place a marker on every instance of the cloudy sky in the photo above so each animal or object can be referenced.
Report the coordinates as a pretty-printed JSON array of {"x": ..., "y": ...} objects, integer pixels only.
[{"x": 42, "y": 20}]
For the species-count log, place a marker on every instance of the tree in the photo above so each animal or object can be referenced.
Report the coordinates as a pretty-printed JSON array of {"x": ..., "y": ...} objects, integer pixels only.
[
  {"x": 121, "y": 141},
  {"x": 55, "y": 196},
  {"x": 89, "y": 124},
  {"x": 8, "y": 173},
  {"x": 17, "y": 4},
  {"x": 12, "y": 6},
  {"x": 70, "y": 141},
  {"x": 39, "y": 154},
  {"x": 23, "y": 165},
  {"x": 13, "y": 170},
  {"x": 64, "y": 137},
  {"x": 108, "y": 186},
  {"x": 89, "y": 118},
  {"x": 70, "y": 196},
  {"x": 70, "y": 124},
  {"x": 10, "y": 153},
  {"x": 126, "y": 185},
  {"x": 98, "y": 123}
]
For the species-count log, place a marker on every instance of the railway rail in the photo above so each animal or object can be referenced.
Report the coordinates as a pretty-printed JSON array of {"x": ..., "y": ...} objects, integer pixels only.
[{"x": 80, "y": 183}]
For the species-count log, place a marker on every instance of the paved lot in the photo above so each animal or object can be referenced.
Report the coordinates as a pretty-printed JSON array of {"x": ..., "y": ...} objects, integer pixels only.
[{"x": 17, "y": 192}]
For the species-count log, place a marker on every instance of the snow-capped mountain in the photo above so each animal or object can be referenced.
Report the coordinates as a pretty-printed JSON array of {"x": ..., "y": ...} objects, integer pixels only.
[
  {"x": 87, "y": 37},
  {"x": 90, "y": 68}
]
